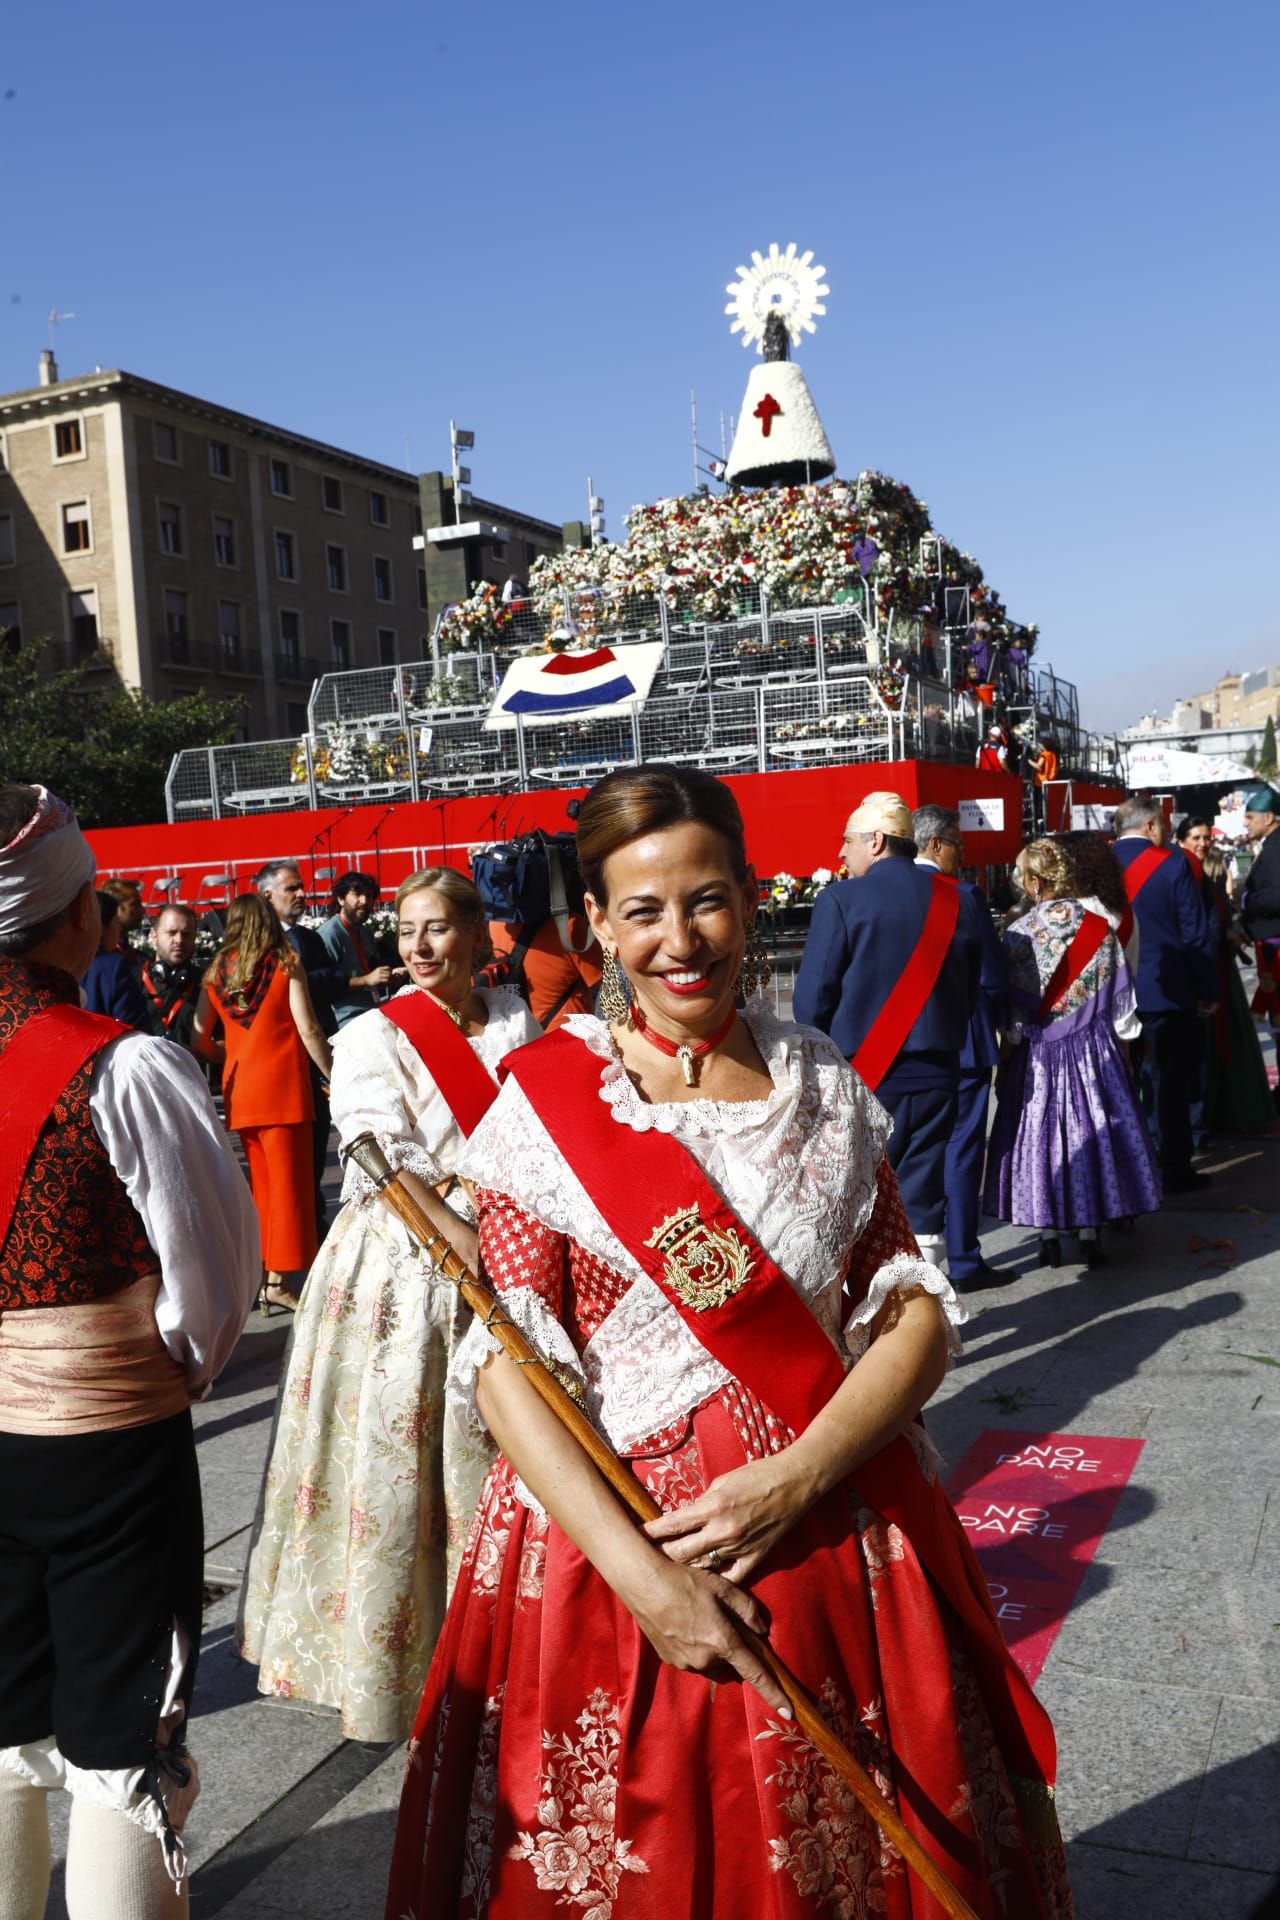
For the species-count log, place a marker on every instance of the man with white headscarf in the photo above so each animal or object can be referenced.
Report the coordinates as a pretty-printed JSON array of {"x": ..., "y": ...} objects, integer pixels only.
[{"x": 128, "y": 1261}]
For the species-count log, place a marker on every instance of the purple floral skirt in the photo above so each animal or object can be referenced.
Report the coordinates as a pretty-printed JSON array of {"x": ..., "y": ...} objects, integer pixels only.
[{"x": 1069, "y": 1147}]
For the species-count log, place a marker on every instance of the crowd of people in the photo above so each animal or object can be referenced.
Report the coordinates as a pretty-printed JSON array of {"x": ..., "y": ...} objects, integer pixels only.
[{"x": 735, "y": 1241}]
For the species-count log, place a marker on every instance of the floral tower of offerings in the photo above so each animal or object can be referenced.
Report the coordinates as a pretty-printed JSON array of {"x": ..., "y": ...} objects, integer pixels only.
[{"x": 780, "y": 441}]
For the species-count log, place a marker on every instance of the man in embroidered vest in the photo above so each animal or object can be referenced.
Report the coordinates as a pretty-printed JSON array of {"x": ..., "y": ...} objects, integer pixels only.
[
  {"x": 897, "y": 951},
  {"x": 937, "y": 835},
  {"x": 1177, "y": 982},
  {"x": 128, "y": 1261}
]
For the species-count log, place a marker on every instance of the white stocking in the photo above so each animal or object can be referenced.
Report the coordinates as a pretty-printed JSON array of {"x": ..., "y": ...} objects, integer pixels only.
[
  {"x": 116, "y": 1870},
  {"x": 24, "y": 1848}
]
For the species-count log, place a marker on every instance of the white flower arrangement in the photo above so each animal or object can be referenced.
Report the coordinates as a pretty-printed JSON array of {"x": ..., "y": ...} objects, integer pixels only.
[{"x": 707, "y": 555}]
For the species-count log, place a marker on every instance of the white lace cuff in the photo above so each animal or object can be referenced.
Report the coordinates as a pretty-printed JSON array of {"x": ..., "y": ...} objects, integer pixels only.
[
  {"x": 543, "y": 1332},
  {"x": 403, "y": 1156},
  {"x": 905, "y": 1270}
]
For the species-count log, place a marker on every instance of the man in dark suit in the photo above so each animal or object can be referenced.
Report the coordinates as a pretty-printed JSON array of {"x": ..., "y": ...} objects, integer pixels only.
[
  {"x": 1177, "y": 981},
  {"x": 938, "y": 839},
  {"x": 1260, "y": 895},
  {"x": 867, "y": 938},
  {"x": 280, "y": 884}
]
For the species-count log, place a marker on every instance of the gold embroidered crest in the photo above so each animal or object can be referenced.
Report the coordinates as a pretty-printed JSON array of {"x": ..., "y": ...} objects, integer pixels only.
[{"x": 705, "y": 1266}]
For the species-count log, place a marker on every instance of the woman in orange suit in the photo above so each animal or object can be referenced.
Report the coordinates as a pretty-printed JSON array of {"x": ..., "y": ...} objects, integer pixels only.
[{"x": 257, "y": 987}]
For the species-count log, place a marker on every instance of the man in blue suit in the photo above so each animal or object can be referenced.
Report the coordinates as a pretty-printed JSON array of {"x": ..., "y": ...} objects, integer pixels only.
[
  {"x": 937, "y": 836},
  {"x": 868, "y": 940},
  {"x": 1177, "y": 980}
]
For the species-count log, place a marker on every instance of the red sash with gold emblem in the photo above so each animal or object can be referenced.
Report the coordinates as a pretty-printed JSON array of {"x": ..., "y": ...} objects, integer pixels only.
[
  {"x": 447, "y": 1054},
  {"x": 36, "y": 1067},
  {"x": 742, "y": 1308},
  {"x": 888, "y": 1032}
]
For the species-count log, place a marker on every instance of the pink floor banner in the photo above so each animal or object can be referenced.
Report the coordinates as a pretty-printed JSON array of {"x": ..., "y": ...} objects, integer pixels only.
[{"x": 1035, "y": 1507}]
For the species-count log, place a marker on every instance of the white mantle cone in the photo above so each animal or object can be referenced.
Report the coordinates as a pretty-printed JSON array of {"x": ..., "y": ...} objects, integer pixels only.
[{"x": 795, "y": 450}]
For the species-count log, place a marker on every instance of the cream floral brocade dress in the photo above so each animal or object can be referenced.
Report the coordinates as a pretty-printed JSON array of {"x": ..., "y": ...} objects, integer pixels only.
[{"x": 366, "y": 1501}]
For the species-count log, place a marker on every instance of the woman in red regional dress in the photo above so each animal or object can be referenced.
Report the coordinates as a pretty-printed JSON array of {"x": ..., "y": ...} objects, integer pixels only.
[{"x": 595, "y": 1735}]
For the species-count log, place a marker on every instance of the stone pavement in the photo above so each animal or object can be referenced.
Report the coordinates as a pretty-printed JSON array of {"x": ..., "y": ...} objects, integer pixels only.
[{"x": 1164, "y": 1681}]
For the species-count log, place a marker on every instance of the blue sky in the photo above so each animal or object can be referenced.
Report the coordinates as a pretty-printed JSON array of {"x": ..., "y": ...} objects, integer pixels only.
[{"x": 1050, "y": 234}]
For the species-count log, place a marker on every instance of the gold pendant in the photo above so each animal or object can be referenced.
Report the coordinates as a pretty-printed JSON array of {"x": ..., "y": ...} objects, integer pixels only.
[{"x": 688, "y": 1065}]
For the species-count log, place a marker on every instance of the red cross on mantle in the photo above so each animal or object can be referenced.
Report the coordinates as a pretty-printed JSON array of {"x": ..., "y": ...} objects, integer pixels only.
[{"x": 765, "y": 413}]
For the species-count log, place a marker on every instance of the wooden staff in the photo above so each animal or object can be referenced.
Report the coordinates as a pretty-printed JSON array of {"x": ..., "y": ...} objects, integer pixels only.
[{"x": 369, "y": 1157}]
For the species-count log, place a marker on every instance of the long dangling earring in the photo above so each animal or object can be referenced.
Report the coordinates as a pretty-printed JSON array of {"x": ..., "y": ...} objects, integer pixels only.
[
  {"x": 755, "y": 973},
  {"x": 612, "y": 1001}
]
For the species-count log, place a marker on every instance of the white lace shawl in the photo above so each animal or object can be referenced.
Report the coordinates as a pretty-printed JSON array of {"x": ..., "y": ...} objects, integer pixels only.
[
  {"x": 382, "y": 1085},
  {"x": 799, "y": 1167}
]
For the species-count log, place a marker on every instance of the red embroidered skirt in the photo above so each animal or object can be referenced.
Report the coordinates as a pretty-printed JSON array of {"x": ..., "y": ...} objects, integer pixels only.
[{"x": 557, "y": 1765}]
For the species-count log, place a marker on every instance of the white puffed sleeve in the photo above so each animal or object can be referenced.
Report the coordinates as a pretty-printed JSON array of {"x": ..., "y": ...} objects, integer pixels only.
[
  {"x": 374, "y": 1089},
  {"x": 152, "y": 1111}
]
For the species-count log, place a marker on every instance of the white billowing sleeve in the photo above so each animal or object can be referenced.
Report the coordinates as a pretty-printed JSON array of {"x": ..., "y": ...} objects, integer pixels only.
[{"x": 153, "y": 1114}]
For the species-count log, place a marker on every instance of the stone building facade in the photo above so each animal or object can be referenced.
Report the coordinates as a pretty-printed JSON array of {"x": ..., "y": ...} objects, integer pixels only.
[{"x": 179, "y": 544}]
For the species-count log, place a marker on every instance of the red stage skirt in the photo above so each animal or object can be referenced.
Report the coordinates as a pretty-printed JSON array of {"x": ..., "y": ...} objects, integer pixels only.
[{"x": 557, "y": 1766}]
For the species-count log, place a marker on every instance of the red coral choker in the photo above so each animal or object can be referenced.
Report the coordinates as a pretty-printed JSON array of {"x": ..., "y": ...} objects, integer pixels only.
[{"x": 687, "y": 1052}]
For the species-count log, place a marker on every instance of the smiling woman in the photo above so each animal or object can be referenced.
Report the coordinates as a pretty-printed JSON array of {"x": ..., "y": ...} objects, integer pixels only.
[
  {"x": 713, "y": 1250},
  {"x": 366, "y": 1500}
]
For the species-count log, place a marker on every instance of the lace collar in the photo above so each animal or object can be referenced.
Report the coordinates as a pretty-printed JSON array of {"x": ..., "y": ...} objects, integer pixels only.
[{"x": 780, "y": 1047}]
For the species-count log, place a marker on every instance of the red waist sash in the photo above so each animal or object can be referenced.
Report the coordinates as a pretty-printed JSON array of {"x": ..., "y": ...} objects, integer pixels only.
[
  {"x": 745, "y": 1312},
  {"x": 36, "y": 1067},
  {"x": 1084, "y": 943},
  {"x": 887, "y": 1033},
  {"x": 447, "y": 1053},
  {"x": 1136, "y": 876}
]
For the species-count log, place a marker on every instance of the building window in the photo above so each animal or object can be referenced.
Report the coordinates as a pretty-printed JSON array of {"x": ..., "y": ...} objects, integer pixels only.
[
  {"x": 331, "y": 491},
  {"x": 417, "y": 518},
  {"x": 170, "y": 527},
  {"x": 10, "y": 626},
  {"x": 6, "y": 540},
  {"x": 341, "y": 632},
  {"x": 337, "y": 558},
  {"x": 82, "y": 610},
  {"x": 77, "y": 532},
  {"x": 382, "y": 577},
  {"x": 499, "y": 549},
  {"x": 164, "y": 439},
  {"x": 220, "y": 460},
  {"x": 422, "y": 587},
  {"x": 281, "y": 480},
  {"x": 290, "y": 642},
  {"x": 175, "y": 625},
  {"x": 4, "y": 456},
  {"x": 379, "y": 512},
  {"x": 68, "y": 440},
  {"x": 285, "y": 568},
  {"x": 295, "y": 716},
  {"x": 224, "y": 541},
  {"x": 386, "y": 646},
  {"x": 229, "y": 632}
]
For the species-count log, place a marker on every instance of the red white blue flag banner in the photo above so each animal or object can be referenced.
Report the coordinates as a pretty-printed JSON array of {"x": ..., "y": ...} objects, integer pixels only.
[{"x": 579, "y": 685}]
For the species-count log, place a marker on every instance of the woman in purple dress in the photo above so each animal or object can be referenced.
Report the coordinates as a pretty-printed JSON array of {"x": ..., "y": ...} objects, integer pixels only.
[{"x": 1069, "y": 1150}]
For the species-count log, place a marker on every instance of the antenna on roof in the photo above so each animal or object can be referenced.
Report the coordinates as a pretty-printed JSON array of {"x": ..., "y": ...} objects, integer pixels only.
[{"x": 56, "y": 319}]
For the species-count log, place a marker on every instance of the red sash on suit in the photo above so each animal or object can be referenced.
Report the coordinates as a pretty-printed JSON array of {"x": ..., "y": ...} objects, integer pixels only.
[
  {"x": 888, "y": 1032},
  {"x": 1136, "y": 876},
  {"x": 745, "y": 1312}
]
